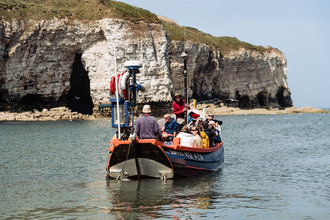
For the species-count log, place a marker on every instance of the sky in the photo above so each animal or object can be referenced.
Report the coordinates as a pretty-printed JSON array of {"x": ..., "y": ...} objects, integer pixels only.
[{"x": 299, "y": 29}]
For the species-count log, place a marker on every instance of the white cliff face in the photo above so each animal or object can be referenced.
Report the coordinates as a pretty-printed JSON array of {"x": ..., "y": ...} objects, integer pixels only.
[
  {"x": 252, "y": 72},
  {"x": 150, "y": 50},
  {"x": 239, "y": 74},
  {"x": 39, "y": 60}
]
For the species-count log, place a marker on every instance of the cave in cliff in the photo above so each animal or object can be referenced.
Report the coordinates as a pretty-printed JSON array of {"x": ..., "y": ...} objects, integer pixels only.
[
  {"x": 78, "y": 98},
  {"x": 34, "y": 101},
  {"x": 283, "y": 100},
  {"x": 2, "y": 93}
]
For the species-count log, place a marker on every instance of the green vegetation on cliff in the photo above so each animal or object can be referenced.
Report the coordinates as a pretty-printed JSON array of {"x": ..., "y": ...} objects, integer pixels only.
[
  {"x": 87, "y": 10},
  {"x": 225, "y": 44},
  {"x": 73, "y": 9}
]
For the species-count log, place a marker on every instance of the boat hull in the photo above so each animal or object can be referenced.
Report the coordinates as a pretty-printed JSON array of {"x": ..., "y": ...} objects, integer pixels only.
[
  {"x": 153, "y": 159},
  {"x": 188, "y": 163},
  {"x": 144, "y": 159}
]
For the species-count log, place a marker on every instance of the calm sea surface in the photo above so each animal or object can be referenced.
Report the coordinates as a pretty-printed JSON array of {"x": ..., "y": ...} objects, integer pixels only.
[{"x": 276, "y": 167}]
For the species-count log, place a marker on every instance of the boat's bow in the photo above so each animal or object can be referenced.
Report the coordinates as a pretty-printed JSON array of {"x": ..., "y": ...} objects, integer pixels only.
[{"x": 146, "y": 160}]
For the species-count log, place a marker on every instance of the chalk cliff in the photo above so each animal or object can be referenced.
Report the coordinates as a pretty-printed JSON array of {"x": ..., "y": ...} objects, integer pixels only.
[
  {"x": 53, "y": 63},
  {"x": 255, "y": 79}
]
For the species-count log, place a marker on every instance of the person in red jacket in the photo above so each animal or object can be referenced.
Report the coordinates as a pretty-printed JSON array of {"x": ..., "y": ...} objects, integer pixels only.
[{"x": 179, "y": 107}]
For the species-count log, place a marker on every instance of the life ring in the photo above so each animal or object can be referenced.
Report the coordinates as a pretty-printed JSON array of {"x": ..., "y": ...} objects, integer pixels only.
[
  {"x": 123, "y": 84},
  {"x": 113, "y": 85},
  {"x": 121, "y": 80}
]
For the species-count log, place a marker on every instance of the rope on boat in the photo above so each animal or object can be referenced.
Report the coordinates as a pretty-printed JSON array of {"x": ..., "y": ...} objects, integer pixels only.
[{"x": 121, "y": 174}]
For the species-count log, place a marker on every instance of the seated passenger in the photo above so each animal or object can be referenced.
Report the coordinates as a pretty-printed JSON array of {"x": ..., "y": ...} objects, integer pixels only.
[
  {"x": 187, "y": 139},
  {"x": 195, "y": 132},
  {"x": 216, "y": 138},
  {"x": 205, "y": 138},
  {"x": 210, "y": 117},
  {"x": 169, "y": 128},
  {"x": 209, "y": 132},
  {"x": 199, "y": 122},
  {"x": 146, "y": 126},
  {"x": 192, "y": 123}
]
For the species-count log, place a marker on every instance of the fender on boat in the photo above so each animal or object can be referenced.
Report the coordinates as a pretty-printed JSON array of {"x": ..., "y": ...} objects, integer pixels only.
[
  {"x": 120, "y": 91},
  {"x": 123, "y": 84}
]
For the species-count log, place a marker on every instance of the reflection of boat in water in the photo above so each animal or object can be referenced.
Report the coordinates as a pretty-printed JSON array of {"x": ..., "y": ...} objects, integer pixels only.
[
  {"x": 139, "y": 199},
  {"x": 173, "y": 199},
  {"x": 134, "y": 159}
]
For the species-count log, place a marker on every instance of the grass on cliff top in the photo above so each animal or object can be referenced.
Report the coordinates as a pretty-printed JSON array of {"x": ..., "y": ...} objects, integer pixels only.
[
  {"x": 73, "y": 10},
  {"x": 225, "y": 44},
  {"x": 87, "y": 10}
]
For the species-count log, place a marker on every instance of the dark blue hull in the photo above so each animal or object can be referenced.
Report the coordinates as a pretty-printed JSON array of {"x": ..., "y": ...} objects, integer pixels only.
[{"x": 192, "y": 163}]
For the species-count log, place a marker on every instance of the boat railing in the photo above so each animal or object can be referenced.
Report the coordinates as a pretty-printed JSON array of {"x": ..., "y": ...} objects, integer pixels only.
[{"x": 174, "y": 146}]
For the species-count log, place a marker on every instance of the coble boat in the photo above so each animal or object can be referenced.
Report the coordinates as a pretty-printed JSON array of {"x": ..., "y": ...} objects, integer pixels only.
[{"x": 131, "y": 158}]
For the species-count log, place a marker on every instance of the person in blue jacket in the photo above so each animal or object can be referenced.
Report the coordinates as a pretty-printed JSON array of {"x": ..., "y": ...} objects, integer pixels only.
[{"x": 170, "y": 128}]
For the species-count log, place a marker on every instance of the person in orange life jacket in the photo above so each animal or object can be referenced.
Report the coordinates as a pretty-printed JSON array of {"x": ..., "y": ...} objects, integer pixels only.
[
  {"x": 179, "y": 108},
  {"x": 146, "y": 126}
]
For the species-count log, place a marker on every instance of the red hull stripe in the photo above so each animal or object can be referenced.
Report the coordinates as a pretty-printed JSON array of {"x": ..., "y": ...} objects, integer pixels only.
[{"x": 197, "y": 168}]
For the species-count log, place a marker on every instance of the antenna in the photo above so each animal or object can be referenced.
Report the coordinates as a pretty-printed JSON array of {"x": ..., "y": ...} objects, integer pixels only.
[
  {"x": 142, "y": 55},
  {"x": 184, "y": 33}
]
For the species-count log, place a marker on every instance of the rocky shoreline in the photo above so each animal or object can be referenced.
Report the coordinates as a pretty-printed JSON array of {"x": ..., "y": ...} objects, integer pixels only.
[
  {"x": 224, "y": 110},
  {"x": 63, "y": 113},
  {"x": 53, "y": 114}
]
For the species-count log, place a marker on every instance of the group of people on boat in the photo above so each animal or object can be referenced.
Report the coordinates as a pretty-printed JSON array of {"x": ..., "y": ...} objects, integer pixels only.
[{"x": 198, "y": 133}]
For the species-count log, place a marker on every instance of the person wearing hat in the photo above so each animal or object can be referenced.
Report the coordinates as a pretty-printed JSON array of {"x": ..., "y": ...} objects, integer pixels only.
[
  {"x": 146, "y": 126},
  {"x": 210, "y": 117},
  {"x": 179, "y": 107}
]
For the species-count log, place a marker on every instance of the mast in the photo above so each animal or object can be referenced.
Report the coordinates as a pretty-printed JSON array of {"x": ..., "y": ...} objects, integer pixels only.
[
  {"x": 117, "y": 96},
  {"x": 184, "y": 55}
]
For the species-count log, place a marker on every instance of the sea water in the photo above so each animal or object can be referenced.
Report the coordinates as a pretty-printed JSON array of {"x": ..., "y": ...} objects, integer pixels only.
[{"x": 276, "y": 167}]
